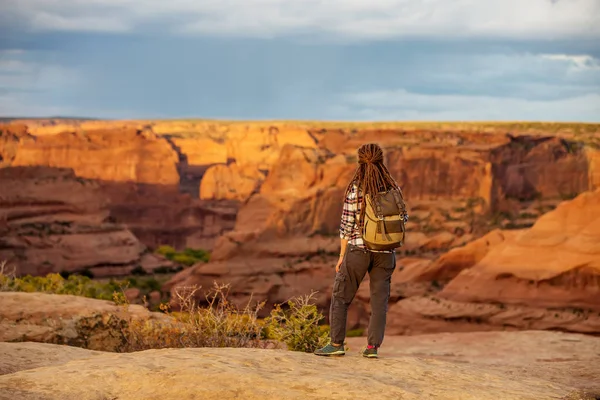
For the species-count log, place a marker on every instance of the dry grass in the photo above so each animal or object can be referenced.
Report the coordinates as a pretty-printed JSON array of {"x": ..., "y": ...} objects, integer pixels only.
[
  {"x": 219, "y": 324},
  {"x": 7, "y": 276}
]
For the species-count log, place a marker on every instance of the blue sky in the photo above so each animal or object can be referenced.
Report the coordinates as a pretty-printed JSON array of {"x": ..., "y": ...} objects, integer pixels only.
[{"x": 309, "y": 59}]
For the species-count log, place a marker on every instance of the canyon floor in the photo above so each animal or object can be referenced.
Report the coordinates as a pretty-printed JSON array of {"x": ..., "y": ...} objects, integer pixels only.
[{"x": 528, "y": 365}]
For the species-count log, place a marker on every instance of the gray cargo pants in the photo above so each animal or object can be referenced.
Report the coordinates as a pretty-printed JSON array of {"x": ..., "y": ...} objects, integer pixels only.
[{"x": 356, "y": 263}]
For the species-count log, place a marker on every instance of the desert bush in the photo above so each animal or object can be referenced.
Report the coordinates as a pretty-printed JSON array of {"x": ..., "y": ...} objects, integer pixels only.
[
  {"x": 221, "y": 324},
  {"x": 198, "y": 254},
  {"x": 218, "y": 324},
  {"x": 77, "y": 285},
  {"x": 298, "y": 325},
  {"x": 187, "y": 257},
  {"x": 165, "y": 250},
  {"x": 184, "y": 259}
]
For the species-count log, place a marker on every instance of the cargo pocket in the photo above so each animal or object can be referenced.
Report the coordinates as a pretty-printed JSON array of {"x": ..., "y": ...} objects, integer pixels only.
[{"x": 340, "y": 286}]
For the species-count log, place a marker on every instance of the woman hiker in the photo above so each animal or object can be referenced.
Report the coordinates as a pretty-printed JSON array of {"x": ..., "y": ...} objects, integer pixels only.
[{"x": 356, "y": 259}]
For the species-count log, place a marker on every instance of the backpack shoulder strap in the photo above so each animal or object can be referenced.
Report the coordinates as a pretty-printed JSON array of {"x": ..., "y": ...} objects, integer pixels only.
[{"x": 398, "y": 197}]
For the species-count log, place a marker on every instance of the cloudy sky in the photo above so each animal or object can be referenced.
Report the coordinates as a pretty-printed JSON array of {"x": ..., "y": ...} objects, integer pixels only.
[{"x": 302, "y": 59}]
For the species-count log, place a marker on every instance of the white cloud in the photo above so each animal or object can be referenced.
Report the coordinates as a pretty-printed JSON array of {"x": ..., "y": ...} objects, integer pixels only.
[
  {"x": 491, "y": 87},
  {"x": 577, "y": 62},
  {"x": 354, "y": 19},
  {"x": 55, "y": 22},
  {"x": 403, "y": 105}
]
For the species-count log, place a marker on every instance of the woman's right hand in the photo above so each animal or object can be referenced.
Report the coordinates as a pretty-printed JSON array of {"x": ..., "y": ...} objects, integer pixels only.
[{"x": 339, "y": 264}]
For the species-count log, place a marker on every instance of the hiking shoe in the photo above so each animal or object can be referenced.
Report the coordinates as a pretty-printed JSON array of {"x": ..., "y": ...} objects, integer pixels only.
[
  {"x": 370, "y": 352},
  {"x": 331, "y": 350}
]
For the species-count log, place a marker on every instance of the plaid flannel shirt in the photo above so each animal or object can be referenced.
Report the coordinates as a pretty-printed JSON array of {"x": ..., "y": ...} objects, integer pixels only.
[{"x": 349, "y": 228}]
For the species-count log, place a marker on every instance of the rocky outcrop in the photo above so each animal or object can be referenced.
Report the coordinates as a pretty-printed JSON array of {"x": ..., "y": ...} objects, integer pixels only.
[
  {"x": 546, "y": 277},
  {"x": 249, "y": 154},
  {"x": 10, "y": 137},
  {"x": 469, "y": 367},
  {"x": 53, "y": 221},
  {"x": 230, "y": 182},
  {"x": 554, "y": 264},
  {"x": 65, "y": 319}
]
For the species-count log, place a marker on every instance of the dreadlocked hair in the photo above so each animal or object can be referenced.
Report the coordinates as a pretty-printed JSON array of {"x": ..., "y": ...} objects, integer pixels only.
[{"x": 371, "y": 176}]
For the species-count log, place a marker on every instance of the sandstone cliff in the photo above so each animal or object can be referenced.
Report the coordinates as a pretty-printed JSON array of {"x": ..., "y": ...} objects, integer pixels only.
[
  {"x": 146, "y": 165},
  {"x": 114, "y": 155},
  {"x": 53, "y": 221},
  {"x": 138, "y": 171}
]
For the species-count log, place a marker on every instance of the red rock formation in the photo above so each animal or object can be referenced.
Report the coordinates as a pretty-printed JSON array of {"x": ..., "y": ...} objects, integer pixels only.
[
  {"x": 288, "y": 194},
  {"x": 230, "y": 182},
  {"x": 138, "y": 173},
  {"x": 53, "y": 221},
  {"x": 546, "y": 277},
  {"x": 109, "y": 155},
  {"x": 556, "y": 263},
  {"x": 10, "y": 136}
]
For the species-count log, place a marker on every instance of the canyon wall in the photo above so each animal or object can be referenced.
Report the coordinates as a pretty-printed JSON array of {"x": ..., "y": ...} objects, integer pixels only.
[
  {"x": 266, "y": 199},
  {"x": 52, "y": 221}
]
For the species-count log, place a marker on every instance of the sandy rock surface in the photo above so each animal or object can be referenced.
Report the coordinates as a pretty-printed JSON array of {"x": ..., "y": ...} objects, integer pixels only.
[
  {"x": 465, "y": 367},
  {"x": 565, "y": 358}
]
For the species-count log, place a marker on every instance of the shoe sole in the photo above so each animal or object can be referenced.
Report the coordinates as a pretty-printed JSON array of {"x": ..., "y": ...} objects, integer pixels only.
[
  {"x": 370, "y": 355},
  {"x": 336, "y": 353}
]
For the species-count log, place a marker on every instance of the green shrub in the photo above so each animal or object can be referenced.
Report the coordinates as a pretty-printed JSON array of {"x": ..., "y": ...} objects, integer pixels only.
[
  {"x": 76, "y": 285},
  {"x": 166, "y": 251},
  {"x": 184, "y": 259},
  {"x": 148, "y": 285},
  {"x": 198, "y": 254},
  {"x": 188, "y": 257},
  {"x": 298, "y": 326}
]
